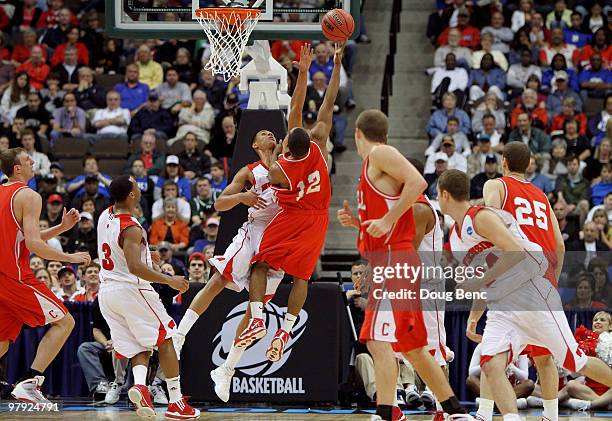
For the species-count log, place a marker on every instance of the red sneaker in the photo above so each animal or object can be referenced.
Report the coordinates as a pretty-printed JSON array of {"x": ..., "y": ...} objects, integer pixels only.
[
  {"x": 277, "y": 347},
  {"x": 140, "y": 396},
  {"x": 181, "y": 410},
  {"x": 255, "y": 330},
  {"x": 439, "y": 416}
]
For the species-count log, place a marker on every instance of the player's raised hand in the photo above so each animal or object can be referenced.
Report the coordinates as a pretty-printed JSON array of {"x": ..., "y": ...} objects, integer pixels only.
[
  {"x": 156, "y": 257},
  {"x": 346, "y": 217},
  {"x": 306, "y": 55},
  {"x": 377, "y": 227},
  {"x": 339, "y": 52},
  {"x": 470, "y": 331},
  {"x": 81, "y": 257},
  {"x": 70, "y": 218},
  {"x": 179, "y": 283}
]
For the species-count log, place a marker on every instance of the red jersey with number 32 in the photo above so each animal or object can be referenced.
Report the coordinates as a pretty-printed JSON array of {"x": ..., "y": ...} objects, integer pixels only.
[
  {"x": 309, "y": 184},
  {"x": 531, "y": 209},
  {"x": 113, "y": 262},
  {"x": 374, "y": 204},
  {"x": 15, "y": 256}
]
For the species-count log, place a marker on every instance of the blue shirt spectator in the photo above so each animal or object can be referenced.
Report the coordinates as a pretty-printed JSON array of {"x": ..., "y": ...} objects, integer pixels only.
[
  {"x": 550, "y": 75},
  {"x": 173, "y": 171},
  {"x": 577, "y": 38},
  {"x": 437, "y": 122},
  {"x": 599, "y": 191},
  {"x": 76, "y": 186},
  {"x": 133, "y": 93}
]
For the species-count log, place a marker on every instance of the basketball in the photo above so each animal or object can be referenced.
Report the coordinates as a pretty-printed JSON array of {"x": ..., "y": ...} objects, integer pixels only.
[{"x": 338, "y": 25}]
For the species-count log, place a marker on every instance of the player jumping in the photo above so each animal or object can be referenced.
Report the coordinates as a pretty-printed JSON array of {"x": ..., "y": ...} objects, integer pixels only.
[
  {"x": 23, "y": 298},
  {"x": 136, "y": 316}
]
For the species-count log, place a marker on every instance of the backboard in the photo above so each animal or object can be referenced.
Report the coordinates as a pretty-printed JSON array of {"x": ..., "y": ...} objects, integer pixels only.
[{"x": 167, "y": 19}]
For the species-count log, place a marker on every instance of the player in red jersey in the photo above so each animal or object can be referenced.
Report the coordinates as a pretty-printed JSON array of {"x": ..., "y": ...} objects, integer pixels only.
[
  {"x": 293, "y": 240},
  {"x": 389, "y": 186},
  {"x": 23, "y": 298}
]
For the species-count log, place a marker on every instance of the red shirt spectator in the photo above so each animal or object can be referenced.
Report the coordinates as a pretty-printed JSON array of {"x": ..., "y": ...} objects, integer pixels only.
[
  {"x": 73, "y": 40},
  {"x": 26, "y": 15},
  {"x": 48, "y": 19},
  {"x": 470, "y": 36},
  {"x": 36, "y": 68},
  {"x": 556, "y": 46},
  {"x": 21, "y": 52},
  {"x": 281, "y": 48},
  {"x": 582, "y": 56},
  {"x": 558, "y": 122}
]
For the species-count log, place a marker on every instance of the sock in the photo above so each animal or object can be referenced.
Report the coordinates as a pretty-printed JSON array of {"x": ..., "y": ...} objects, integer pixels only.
[
  {"x": 233, "y": 357},
  {"x": 551, "y": 409},
  {"x": 485, "y": 409},
  {"x": 140, "y": 374},
  {"x": 512, "y": 417},
  {"x": 385, "y": 412},
  {"x": 188, "y": 321},
  {"x": 438, "y": 406},
  {"x": 452, "y": 406},
  {"x": 256, "y": 310},
  {"x": 30, "y": 374},
  {"x": 289, "y": 322},
  {"x": 174, "y": 388}
]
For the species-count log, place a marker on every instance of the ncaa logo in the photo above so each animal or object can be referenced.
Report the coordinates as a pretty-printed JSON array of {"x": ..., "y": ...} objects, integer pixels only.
[
  {"x": 254, "y": 361},
  {"x": 470, "y": 230}
]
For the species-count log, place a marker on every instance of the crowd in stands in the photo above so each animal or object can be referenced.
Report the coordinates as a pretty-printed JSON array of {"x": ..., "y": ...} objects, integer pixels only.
[{"x": 538, "y": 72}]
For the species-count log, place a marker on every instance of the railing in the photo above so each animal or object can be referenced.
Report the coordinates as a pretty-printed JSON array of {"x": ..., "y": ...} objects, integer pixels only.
[{"x": 387, "y": 86}]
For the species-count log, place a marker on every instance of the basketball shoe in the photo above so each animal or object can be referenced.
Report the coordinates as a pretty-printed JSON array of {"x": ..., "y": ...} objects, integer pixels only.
[
  {"x": 222, "y": 377},
  {"x": 29, "y": 390},
  {"x": 439, "y": 416},
  {"x": 277, "y": 346},
  {"x": 255, "y": 330},
  {"x": 396, "y": 415},
  {"x": 181, "y": 410},
  {"x": 139, "y": 395}
]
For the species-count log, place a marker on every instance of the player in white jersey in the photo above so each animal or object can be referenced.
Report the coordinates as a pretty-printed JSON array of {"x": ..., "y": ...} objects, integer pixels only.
[
  {"x": 234, "y": 267},
  {"x": 510, "y": 272},
  {"x": 136, "y": 316}
]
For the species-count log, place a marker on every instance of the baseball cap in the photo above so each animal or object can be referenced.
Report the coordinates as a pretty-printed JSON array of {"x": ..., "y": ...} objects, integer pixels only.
[
  {"x": 440, "y": 156},
  {"x": 491, "y": 158},
  {"x": 86, "y": 215},
  {"x": 197, "y": 255},
  {"x": 448, "y": 140},
  {"x": 561, "y": 75},
  {"x": 65, "y": 269},
  {"x": 153, "y": 96},
  {"x": 54, "y": 198},
  {"x": 172, "y": 159},
  {"x": 212, "y": 221},
  {"x": 163, "y": 245},
  {"x": 57, "y": 165},
  {"x": 483, "y": 137},
  {"x": 91, "y": 179}
]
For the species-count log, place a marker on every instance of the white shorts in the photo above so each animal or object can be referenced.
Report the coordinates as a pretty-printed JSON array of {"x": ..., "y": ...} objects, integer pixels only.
[
  {"x": 235, "y": 264},
  {"x": 136, "y": 316},
  {"x": 512, "y": 330},
  {"x": 433, "y": 316}
]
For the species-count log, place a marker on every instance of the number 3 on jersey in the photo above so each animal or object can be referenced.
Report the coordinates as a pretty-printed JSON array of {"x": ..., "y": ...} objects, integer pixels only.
[
  {"x": 314, "y": 178},
  {"x": 525, "y": 213},
  {"x": 107, "y": 262}
]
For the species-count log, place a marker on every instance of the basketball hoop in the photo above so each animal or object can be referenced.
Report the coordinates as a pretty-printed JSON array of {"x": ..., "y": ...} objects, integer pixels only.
[{"x": 228, "y": 30}]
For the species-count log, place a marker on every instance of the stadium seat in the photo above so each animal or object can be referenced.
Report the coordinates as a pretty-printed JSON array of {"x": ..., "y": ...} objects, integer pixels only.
[
  {"x": 177, "y": 147},
  {"x": 68, "y": 147},
  {"x": 108, "y": 82},
  {"x": 110, "y": 148},
  {"x": 112, "y": 167},
  {"x": 72, "y": 167}
]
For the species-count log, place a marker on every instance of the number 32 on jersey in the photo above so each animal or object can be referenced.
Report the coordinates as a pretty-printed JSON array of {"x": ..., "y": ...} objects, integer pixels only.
[{"x": 314, "y": 179}]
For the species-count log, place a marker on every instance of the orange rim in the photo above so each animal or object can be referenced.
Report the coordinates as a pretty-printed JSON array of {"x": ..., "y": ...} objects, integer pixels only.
[{"x": 230, "y": 13}]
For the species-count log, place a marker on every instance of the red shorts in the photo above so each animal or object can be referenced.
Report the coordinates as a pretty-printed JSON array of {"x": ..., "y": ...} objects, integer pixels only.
[
  {"x": 393, "y": 313},
  {"x": 293, "y": 241},
  {"x": 536, "y": 351},
  {"x": 28, "y": 302}
]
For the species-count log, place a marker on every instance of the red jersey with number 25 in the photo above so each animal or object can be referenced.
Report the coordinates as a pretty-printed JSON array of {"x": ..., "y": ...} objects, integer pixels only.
[
  {"x": 374, "y": 204},
  {"x": 531, "y": 209},
  {"x": 309, "y": 184},
  {"x": 15, "y": 256}
]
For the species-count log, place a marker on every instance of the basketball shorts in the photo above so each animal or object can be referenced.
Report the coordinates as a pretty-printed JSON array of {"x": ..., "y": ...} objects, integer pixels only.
[
  {"x": 28, "y": 302},
  {"x": 292, "y": 242},
  {"x": 513, "y": 330},
  {"x": 235, "y": 264},
  {"x": 433, "y": 316},
  {"x": 136, "y": 316},
  {"x": 393, "y": 313}
]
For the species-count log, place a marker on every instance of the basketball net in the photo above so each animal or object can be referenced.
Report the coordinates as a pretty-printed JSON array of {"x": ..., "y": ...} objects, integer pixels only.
[{"x": 228, "y": 30}]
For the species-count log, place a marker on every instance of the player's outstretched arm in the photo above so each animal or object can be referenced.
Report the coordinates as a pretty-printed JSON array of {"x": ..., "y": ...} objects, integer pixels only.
[
  {"x": 320, "y": 132},
  {"x": 233, "y": 194},
  {"x": 299, "y": 93},
  {"x": 132, "y": 238},
  {"x": 493, "y": 193},
  {"x": 387, "y": 159},
  {"x": 29, "y": 203},
  {"x": 69, "y": 220}
]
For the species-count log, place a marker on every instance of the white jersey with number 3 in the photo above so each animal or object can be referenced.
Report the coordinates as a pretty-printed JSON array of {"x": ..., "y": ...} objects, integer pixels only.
[{"x": 112, "y": 259}]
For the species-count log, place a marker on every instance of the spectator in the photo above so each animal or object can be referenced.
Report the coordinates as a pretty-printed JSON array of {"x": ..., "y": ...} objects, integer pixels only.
[
  {"x": 153, "y": 160},
  {"x": 487, "y": 48},
  {"x": 477, "y": 160},
  {"x": 91, "y": 276},
  {"x": 151, "y": 117},
  {"x": 601, "y": 187},
  {"x": 90, "y": 95},
  {"x": 170, "y": 190},
  {"x": 463, "y": 56},
  {"x": 113, "y": 120},
  {"x": 151, "y": 72},
  {"x": 462, "y": 143},
  {"x": 72, "y": 37},
  {"x": 193, "y": 162},
  {"x": 324, "y": 62},
  {"x": 56, "y": 33},
  {"x": 596, "y": 21},
  {"x": 53, "y": 94},
  {"x": 576, "y": 143},
  {"x": 51, "y": 242},
  {"x": 455, "y": 160},
  {"x": 218, "y": 181},
  {"x": 41, "y": 161},
  {"x": 596, "y": 81},
  {"x": 470, "y": 36},
  {"x": 16, "y": 129},
  {"x": 167, "y": 257},
  {"x": 557, "y": 75},
  {"x": 57, "y": 170},
  {"x": 202, "y": 238},
  {"x": 21, "y": 51},
  {"x": 7, "y": 74},
  {"x": 36, "y": 68},
  {"x": 174, "y": 95},
  {"x": 134, "y": 94},
  {"x": 488, "y": 79},
  {"x": 523, "y": 41},
  {"x": 576, "y": 35},
  {"x": 602, "y": 156},
  {"x": 145, "y": 184},
  {"x": 529, "y": 105},
  {"x": 605, "y": 233},
  {"x": 477, "y": 183},
  {"x": 36, "y": 117},
  {"x": 534, "y": 177},
  {"x": 109, "y": 59},
  {"x": 36, "y": 263},
  {"x": 197, "y": 268},
  {"x": 599, "y": 123},
  {"x": 69, "y": 120},
  {"x": 488, "y": 106},
  {"x": 536, "y": 139},
  {"x": 88, "y": 205},
  {"x": 222, "y": 146},
  {"x": 448, "y": 79},
  {"x": 503, "y": 35},
  {"x": 198, "y": 119},
  {"x": 522, "y": 15},
  {"x": 184, "y": 68},
  {"x": 169, "y": 228},
  {"x": 68, "y": 283},
  {"x": 489, "y": 129},
  {"x": 314, "y": 99},
  {"x": 568, "y": 223},
  {"x": 556, "y": 166},
  {"x": 437, "y": 121},
  {"x": 560, "y": 17},
  {"x": 15, "y": 97},
  {"x": 573, "y": 188},
  {"x": 600, "y": 45},
  {"x": 53, "y": 210},
  {"x": 213, "y": 88},
  {"x": 68, "y": 70},
  {"x": 44, "y": 276},
  {"x": 173, "y": 171},
  {"x": 202, "y": 204},
  {"x": 584, "y": 294},
  {"x": 606, "y": 206},
  {"x": 602, "y": 286},
  {"x": 569, "y": 114},
  {"x": 556, "y": 46},
  {"x": 91, "y": 192},
  {"x": 519, "y": 73},
  {"x": 90, "y": 168}
]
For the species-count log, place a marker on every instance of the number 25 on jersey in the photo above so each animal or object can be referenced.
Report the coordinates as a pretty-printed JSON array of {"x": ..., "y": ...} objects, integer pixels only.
[{"x": 527, "y": 212}]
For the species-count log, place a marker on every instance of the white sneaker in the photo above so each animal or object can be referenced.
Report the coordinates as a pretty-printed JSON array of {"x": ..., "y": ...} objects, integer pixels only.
[
  {"x": 29, "y": 390},
  {"x": 428, "y": 399},
  {"x": 535, "y": 402},
  {"x": 413, "y": 398},
  {"x": 521, "y": 403},
  {"x": 178, "y": 340},
  {"x": 112, "y": 396},
  {"x": 158, "y": 394},
  {"x": 375, "y": 418},
  {"x": 578, "y": 404},
  {"x": 102, "y": 388},
  {"x": 222, "y": 376}
]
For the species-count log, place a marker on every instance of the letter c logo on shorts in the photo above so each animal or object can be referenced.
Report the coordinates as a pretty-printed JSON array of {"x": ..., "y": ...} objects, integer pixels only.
[
  {"x": 52, "y": 314},
  {"x": 385, "y": 329}
]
